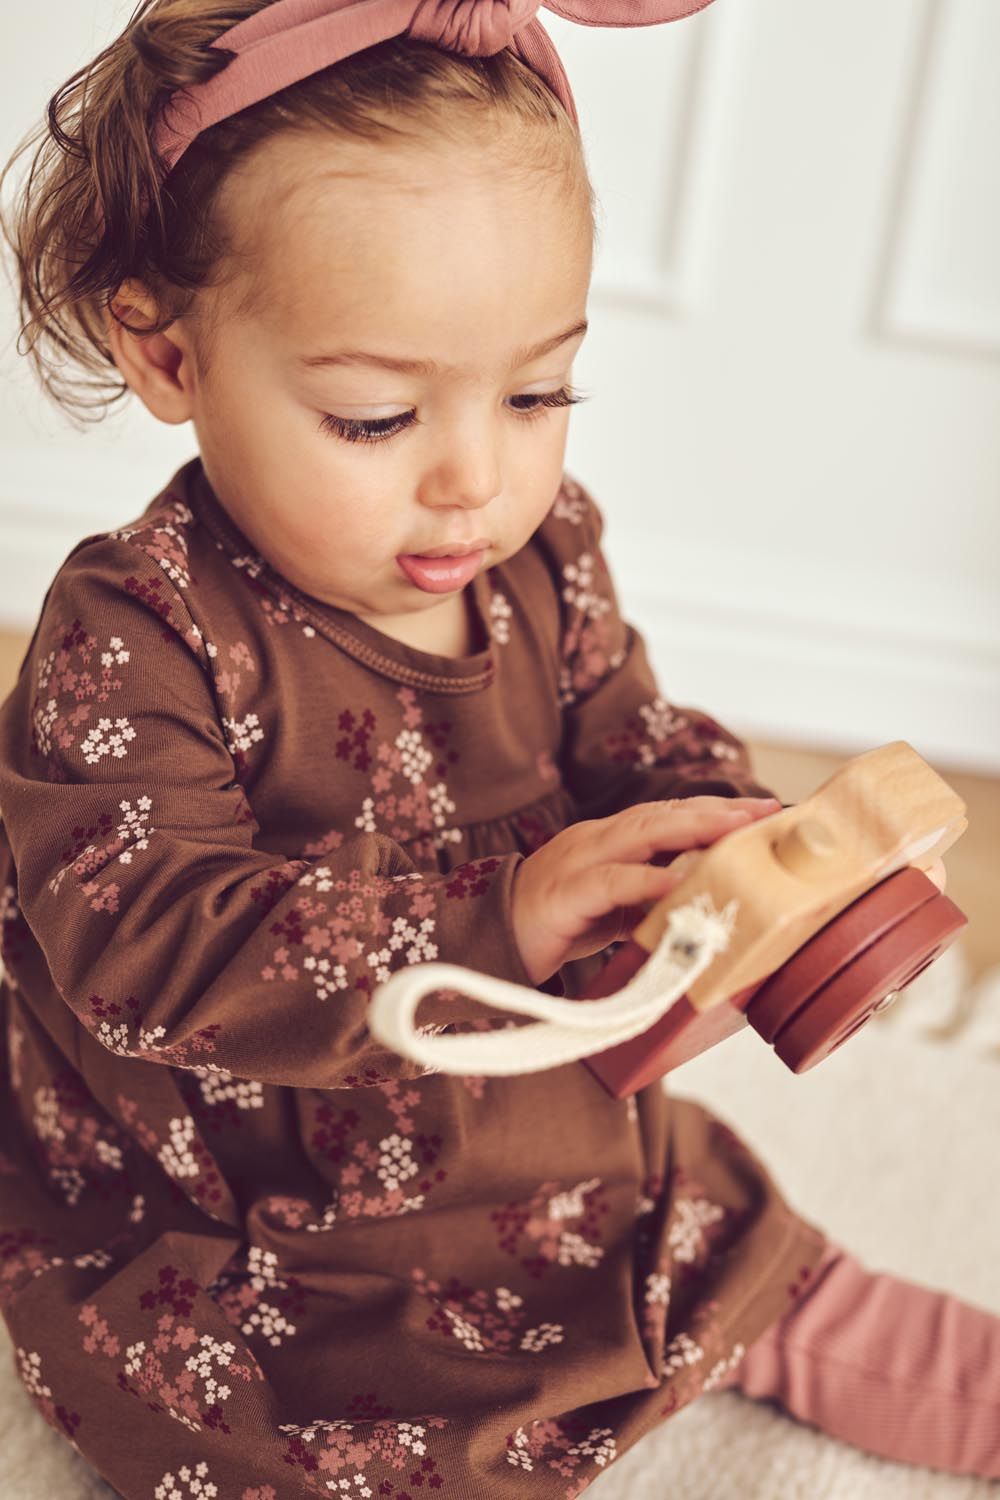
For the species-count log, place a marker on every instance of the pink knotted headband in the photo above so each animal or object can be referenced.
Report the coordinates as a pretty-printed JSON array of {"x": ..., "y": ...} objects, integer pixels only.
[{"x": 290, "y": 39}]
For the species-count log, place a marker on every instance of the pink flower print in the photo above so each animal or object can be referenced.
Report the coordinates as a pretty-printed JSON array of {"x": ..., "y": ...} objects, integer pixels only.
[
  {"x": 228, "y": 681},
  {"x": 105, "y": 897},
  {"x": 549, "y": 1443},
  {"x": 326, "y": 844},
  {"x": 543, "y": 1222},
  {"x": 163, "y": 537}
]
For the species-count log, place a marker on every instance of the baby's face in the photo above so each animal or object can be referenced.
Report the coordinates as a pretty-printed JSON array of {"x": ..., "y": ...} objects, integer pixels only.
[{"x": 415, "y": 257}]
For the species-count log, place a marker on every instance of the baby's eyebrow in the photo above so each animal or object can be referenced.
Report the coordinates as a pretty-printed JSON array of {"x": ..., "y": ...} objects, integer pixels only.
[{"x": 401, "y": 366}]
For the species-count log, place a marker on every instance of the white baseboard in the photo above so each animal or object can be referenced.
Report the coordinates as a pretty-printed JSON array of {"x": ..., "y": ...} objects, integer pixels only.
[{"x": 801, "y": 682}]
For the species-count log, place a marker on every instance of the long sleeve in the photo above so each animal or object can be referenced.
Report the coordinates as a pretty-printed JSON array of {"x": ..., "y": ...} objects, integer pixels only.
[
  {"x": 165, "y": 930},
  {"x": 623, "y": 741}
]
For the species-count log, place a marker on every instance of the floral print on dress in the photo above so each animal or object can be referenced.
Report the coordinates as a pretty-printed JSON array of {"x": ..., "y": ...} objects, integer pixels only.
[
  {"x": 29, "y": 1370},
  {"x": 483, "y": 1321},
  {"x": 81, "y": 1152},
  {"x": 568, "y": 1445},
  {"x": 163, "y": 537},
  {"x": 660, "y": 735},
  {"x": 85, "y": 859},
  {"x": 172, "y": 1367},
  {"x": 410, "y": 799},
  {"x": 381, "y": 1177},
  {"x": 71, "y": 679},
  {"x": 257, "y": 1299},
  {"x": 372, "y": 1456},
  {"x": 318, "y": 938},
  {"x": 272, "y": 1141},
  {"x": 555, "y": 1228},
  {"x": 500, "y": 617}
]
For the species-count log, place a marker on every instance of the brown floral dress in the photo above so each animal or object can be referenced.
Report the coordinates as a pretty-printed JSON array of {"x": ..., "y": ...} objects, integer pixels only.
[{"x": 246, "y": 1252}]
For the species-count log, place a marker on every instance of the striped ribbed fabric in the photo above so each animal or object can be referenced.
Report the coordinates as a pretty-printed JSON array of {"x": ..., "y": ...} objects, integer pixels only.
[{"x": 895, "y": 1368}]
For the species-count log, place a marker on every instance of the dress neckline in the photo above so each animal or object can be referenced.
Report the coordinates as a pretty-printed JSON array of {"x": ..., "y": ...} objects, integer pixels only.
[{"x": 383, "y": 653}]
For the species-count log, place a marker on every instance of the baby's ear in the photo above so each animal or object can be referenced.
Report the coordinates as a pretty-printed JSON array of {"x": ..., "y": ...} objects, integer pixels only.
[{"x": 157, "y": 366}]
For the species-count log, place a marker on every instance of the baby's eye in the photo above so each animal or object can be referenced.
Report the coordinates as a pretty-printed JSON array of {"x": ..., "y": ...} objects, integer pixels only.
[{"x": 378, "y": 430}]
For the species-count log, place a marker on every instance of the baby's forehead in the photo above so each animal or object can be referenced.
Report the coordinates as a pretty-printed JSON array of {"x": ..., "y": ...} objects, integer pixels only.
[{"x": 315, "y": 220}]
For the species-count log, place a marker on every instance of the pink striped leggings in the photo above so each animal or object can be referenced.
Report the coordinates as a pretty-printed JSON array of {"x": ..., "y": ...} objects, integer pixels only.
[{"x": 890, "y": 1366}]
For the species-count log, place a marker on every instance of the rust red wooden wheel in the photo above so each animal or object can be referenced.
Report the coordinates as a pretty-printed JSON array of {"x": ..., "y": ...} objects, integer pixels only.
[{"x": 832, "y": 985}]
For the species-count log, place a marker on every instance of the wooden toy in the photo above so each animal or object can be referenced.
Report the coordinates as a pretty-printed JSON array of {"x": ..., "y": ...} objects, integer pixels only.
[{"x": 836, "y": 918}]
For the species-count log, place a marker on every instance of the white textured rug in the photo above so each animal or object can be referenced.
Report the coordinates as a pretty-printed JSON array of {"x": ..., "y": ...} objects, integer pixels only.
[{"x": 890, "y": 1145}]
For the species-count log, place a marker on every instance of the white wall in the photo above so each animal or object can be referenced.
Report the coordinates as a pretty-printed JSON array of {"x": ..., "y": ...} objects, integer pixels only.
[{"x": 794, "y": 361}]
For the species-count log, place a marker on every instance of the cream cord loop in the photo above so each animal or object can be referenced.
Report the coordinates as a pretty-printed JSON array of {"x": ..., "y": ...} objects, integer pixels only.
[{"x": 564, "y": 1030}]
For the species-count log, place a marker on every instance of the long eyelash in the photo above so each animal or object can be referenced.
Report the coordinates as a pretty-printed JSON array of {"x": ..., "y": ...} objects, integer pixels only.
[{"x": 379, "y": 430}]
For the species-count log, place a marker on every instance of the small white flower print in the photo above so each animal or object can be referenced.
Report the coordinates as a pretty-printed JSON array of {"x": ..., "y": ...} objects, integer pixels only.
[
  {"x": 574, "y": 1250},
  {"x": 537, "y": 1339},
  {"x": 195, "y": 1482},
  {"x": 396, "y": 1164},
  {"x": 507, "y": 1300},
  {"x": 115, "y": 653},
  {"x": 242, "y": 733},
  {"x": 211, "y": 1353},
  {"x": 263, "y": 1266},
  {"x": 115, "y": 1038},
  {"x": 723, "y": 1366},
  {"x": 416, "y": 756},
  {"x": 422, "y": 950},
  {"x": 366, "y": 818},
  {"x": 467, "y": 1333},
  {"x": 134, "y": 829},
  {"x": 658, "y": 1289},
  {"x": 598, "y": 1445},
  {"x": 661, "y": 718},
  {"x": 569, "y": 1205},
  {"x": 327, "y": 977},
  {"x": 70, "y": 1183},
  {"x": 347, "y": 1486},
  {"x": 30, "y": 1370},
  {"x": 327, "y": 1221},
  {"x": 517, "y": 1453},
  {"x": 270, "y": 1322},
  {"x": 500, "y": 618},
  {"x": 580, "y": 592},
  {"x": 94, "y": 746},
  {"x": 218, "y": 1087},
  {"x": 569, "y": 504},
  {"x": 44, "y": 719},
  {"x": 693, "y": 1215},
  {"x": 681, "y": 1351},
  {"x": 175, "y": 1156}
]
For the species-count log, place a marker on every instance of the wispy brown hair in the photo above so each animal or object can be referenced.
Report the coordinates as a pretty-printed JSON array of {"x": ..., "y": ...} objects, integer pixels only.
[{"x": 96, "y": 208}]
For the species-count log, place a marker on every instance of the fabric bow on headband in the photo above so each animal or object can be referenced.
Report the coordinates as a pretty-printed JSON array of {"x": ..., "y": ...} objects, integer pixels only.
[{"x": 291, "y": 39}]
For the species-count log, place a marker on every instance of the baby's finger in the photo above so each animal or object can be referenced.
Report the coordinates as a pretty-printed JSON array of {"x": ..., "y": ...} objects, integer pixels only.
[
  {"x": 604, "y": 887},
  {"x": 642, "y": 831}
]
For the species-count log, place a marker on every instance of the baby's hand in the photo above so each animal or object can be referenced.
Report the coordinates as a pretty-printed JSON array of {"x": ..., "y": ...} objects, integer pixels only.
[{"x": 590, "y": 884}]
